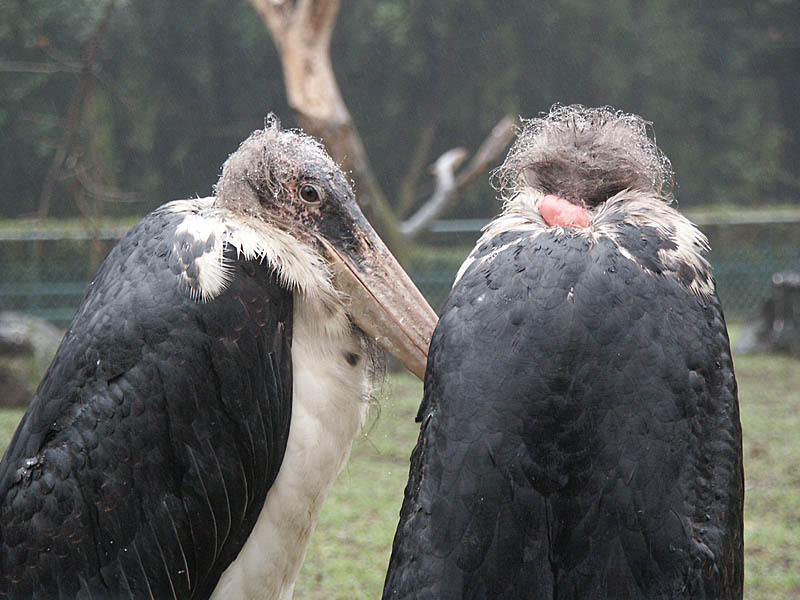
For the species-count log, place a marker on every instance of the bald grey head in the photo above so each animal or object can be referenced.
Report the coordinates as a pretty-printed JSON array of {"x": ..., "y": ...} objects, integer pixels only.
[
  {"x": 288, "y": 179},
  {"x": 586, "y": 155}
]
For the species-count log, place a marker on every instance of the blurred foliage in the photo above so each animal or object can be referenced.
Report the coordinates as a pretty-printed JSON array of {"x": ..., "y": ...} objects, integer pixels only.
[{"x": 179, "y": 84}]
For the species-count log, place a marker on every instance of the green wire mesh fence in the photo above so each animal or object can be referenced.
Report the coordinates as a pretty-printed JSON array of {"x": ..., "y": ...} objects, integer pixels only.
[{"x": 46, "y": 274}]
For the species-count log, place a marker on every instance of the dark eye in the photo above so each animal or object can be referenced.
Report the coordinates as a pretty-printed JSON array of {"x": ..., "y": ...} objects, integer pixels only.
[{"x": 310, "y": 194}]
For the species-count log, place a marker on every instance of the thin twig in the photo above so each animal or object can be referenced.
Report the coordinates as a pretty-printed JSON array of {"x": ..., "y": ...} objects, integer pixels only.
[
  {"x": 75, "y": 112},
  {"x": 104, "y": 192},
  {"x": 47, "y": 68}
]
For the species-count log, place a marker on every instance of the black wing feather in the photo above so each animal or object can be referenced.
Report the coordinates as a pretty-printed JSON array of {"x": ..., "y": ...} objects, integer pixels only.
[
  {"x": 145, "y": 457},
  {"x": 580, "y": 436}
]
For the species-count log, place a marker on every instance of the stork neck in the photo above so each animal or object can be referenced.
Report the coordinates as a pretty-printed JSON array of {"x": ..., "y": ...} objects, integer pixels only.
[{"x": 330, "y": 401}]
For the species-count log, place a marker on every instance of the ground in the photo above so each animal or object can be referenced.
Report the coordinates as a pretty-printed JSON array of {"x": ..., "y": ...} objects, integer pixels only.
[{"x": 350, "y": 550}]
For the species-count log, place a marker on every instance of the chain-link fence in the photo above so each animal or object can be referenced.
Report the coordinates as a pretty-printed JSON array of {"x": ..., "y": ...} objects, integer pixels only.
[
  {"x": 744, "y": 256},
  {"x": 45, "y": 273}
]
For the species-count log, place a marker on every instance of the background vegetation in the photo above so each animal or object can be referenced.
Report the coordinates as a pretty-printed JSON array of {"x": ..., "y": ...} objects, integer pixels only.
[
  {"x": 169, "y": 89},
  {"x": 175, "y": 86}
]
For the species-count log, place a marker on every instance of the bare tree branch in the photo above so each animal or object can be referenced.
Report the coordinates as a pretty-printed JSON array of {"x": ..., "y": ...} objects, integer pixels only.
[
  {"x": 493, "y": 146},
  {"x": 41, "y": 118},
  {"x": 302, "y": 33},
  {"x": 407, "y": 194},
  {"x": 21, "y": 66},
  {"x": 449, "y": 186},
  {"x": 103, "y": 192},
  {"x": 444, "y": 169},
  {"x": 276, "y": 14},
  {"x": 75, "y": 112}
]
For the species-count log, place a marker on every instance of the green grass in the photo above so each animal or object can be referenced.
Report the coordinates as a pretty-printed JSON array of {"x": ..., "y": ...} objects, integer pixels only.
[
  {"x": 9, "y": 418},
  {"x": 349, "y": 552},
  {"x": 769, "y": 397},
  {"x": 348, "y": 555}
]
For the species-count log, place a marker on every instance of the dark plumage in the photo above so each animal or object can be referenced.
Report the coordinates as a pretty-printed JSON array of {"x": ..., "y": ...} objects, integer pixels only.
[
  {"x": 580, "y": 431},
  {"x": 149, "y": 390},
  {"x": 216, "y": 357}
]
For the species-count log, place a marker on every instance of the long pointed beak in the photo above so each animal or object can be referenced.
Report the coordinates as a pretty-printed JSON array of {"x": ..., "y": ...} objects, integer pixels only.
[{"x": 384, "y": 302}]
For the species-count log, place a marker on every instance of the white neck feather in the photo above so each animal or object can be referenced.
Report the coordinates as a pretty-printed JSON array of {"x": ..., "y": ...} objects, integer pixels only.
[
  {"x": 330, "y": 403},
  {"x": 640, "y": 209},
  {"x": 298, "y": 266}
]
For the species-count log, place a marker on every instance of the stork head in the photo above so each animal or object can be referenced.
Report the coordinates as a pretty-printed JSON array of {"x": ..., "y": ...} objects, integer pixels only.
[
  {"x": 586, "y": 172},
  {"x": 586, "y": 156},
  {"x": 305, "y": 220}
]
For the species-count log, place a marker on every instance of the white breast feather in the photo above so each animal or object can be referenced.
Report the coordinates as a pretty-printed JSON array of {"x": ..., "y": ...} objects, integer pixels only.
[{"x": 330, "y": 402}]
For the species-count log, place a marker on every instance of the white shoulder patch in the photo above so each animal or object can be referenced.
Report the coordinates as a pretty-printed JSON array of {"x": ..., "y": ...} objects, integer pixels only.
[
  {"x": 685, "y": 260},
  {"x": 199, "y": 248},
  {"x": 205, "y": 232}
]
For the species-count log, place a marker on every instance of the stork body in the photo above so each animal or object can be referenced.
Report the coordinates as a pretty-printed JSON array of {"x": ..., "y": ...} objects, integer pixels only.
[
  {"x": 205, "y": 396},
  {"x": 580, "y": 432}
]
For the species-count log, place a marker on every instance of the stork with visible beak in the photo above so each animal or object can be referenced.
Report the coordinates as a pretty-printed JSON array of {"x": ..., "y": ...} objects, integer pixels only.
[{"x": 208, "y": 390}]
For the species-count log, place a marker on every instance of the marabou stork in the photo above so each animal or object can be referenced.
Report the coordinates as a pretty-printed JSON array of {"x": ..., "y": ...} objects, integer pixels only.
[
  {"x": 580, "y": 433},
  {"x": 208, "y": 390}
]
